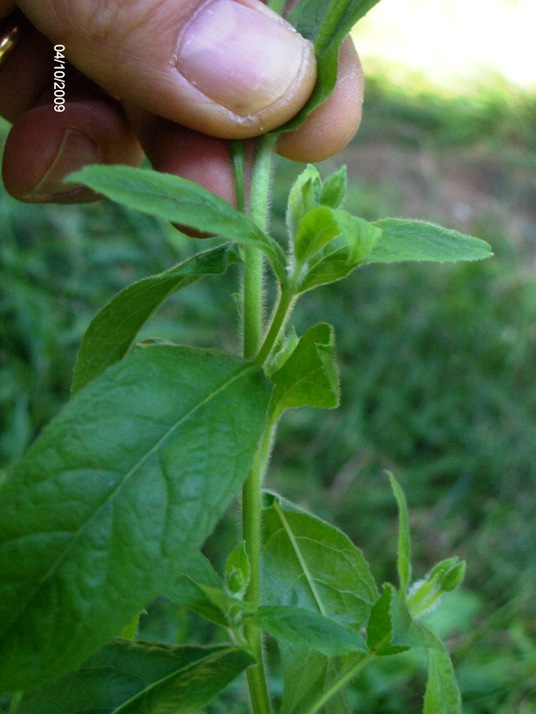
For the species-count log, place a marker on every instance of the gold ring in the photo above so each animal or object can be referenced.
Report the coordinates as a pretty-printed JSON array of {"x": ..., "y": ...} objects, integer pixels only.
[{"x": 10, "y": 35}]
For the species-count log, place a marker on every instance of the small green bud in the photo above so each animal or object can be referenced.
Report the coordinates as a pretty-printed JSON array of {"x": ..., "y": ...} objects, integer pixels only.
[
  {"x": 237, "y": 571},
  {"x": 303, "y": 197},
  {"x": 445, "y": 576},
  {"x": 334, "y": 189},
  {"x": 444, "y": 566},
  {"x": 453, "y": 577}
]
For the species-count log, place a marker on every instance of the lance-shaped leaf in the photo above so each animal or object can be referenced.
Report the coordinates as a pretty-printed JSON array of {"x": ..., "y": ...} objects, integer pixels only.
[
  {"x": 309, "y": 628},
  {"x": 203, "y": 591},
  {"x": 334, "y": 188},
  {"x": 191, "y": 587},
  {"x": 114, "y": 329},
  {"x": 309, "y": 376},
  {"x": 139, "y": 677},
  {"x": 404, "y": 537},
  {"x": 320, "y": 226},
  {"x": 391, "y": 241},
  {"x": 310, "y": 564},
  {"x": 109, "y": 504},
  {"x": 403, "y": 240},
  {"x": 388, "y": 622},
  {"x": 351, "y": 241},
  {"x": 326, "y": 23},
  {"x": 308, "y": 675},
  {"x": 180, "y": 201},
  {"x": 309, "y": 191},
  {"x": 303, "y": 197},
  {"x": 442, "y": 693}
]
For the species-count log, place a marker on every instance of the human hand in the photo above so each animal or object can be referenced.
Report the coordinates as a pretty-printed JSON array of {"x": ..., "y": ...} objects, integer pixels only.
[{"x": 172, "y": 78}]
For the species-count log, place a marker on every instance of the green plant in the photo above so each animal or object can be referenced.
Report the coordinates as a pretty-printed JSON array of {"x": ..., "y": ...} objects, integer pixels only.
[{"x": 111, "y": 505}]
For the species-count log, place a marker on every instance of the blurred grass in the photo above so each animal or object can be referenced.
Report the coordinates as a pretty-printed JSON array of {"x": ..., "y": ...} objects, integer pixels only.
[{"x": 437, "y": 367}]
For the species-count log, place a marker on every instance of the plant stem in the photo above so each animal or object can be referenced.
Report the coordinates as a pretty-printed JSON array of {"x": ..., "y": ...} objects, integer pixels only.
[
  {"x": 251, "y": 510},
  {"x": 252, "y": 303},
  {"x": 252, "y": 306},
  {"x": 237, "y": 152},
  {"x": 283, "y": 310}
]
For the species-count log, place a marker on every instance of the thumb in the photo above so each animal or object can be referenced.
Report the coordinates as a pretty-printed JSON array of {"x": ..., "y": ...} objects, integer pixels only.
[{"x": 228, "y": 68}]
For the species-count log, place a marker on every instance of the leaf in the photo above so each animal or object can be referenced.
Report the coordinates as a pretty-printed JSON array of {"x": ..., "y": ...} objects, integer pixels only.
[
  {"x": 308, "y": 675},
  {"x": 309, "y": 564},
  {"x": 180, "y": 201},
  {"x": 404, "y": 538},
  {"x": 190, "y": 590},
  {"x": 309, "y": 376},
  {"x": 310, "y": 192},
  {"x": 305, "y": 627},
  {"x": 285, "y": 346},
  {"x": 326, "y": 23},
  {"x": 391, "y": 240},
  {"x": 389, "y": 621},
  {"x": 303, "y": 197},
  {"x": 113, "y": 499},
  {"x": 403, "y": 240},
  {"x": 139, "y": 677},
  {"x": 203, "y": 591},
  {"x": 356, "y": 240},
  {"x": 316, "y": 229},
  {"x": 442, "y": 694},
  {"x": 321, "y": 225},
  {"x": 113, "y": 330}
]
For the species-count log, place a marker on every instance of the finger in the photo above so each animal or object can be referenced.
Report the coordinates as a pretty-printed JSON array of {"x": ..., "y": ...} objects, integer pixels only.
[
  {"x": 228, "y": 68},
  {"x": 44, "y": 146},
  {"x": 6, "y": 7},
  {"x": 332, "y": 125},
  {"x": 173, "y": 149},
  {"x": 26, "y": 73},
  {"x": 205, "y": 160},
  {"x": 181, "y": 151}
]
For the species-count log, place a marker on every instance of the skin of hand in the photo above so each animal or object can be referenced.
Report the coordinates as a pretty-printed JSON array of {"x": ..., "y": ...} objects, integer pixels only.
[{"x": 173, "y": 79}]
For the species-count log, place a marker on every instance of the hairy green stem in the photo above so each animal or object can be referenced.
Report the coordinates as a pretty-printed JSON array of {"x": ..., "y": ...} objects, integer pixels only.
[
  {"x": 237, "y": 151},
  {"x": 282, "y": 313},
  {"x": 259, "y": 195},
  {"x": 252, "y": 498},
  {"x": 252, "y": 303},
  {"x": 252, "y": 307}
]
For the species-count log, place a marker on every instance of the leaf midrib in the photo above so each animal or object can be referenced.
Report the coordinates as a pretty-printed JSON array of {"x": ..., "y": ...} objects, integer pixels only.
[
  {"x": 166, "y": 678},
  {"x": 309, "y": 578},
  {"x": 306, "y": 377}
]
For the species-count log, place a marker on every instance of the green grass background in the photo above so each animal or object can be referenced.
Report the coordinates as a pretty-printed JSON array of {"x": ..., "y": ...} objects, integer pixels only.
[{"x": 438, "y": 370}]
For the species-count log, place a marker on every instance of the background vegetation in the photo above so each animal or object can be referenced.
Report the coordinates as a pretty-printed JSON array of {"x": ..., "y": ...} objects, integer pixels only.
[{"x": 438, "y": 369}]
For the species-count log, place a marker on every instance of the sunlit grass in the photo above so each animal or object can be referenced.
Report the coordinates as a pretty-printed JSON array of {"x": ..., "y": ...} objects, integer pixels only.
[{"x": 453, "y": 45}]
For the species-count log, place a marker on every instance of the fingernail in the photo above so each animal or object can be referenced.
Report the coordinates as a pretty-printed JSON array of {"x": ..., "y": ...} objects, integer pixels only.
[
  {"x": 242, "y": 58},
  {"x": 76, "y": 150}
]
